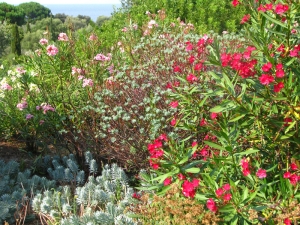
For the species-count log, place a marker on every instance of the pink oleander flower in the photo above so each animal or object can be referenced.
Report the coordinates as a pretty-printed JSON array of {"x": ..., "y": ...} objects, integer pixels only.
[
  {"x": 287, "y": 175},
  {"x": 211, "y": 205},
  {"x": 266, "y": 79},
  {"x": 174, "y": 104},
  {"x": 213, "y": 116},
  {"x": 87, "y": 82},
  {"x": 93, "y": 37},
  {"x": 219, "y": 192},
  {"x": 41, "y": 122},
  {"x": 203, "y": 122},
  {"x": 22, "y": 105},
  {"x": 173, "y": 122},
  {"x": 181, "y": 176},
  {"x": 43, "y": 41},
  {"x": 29, "y": 116},
  {"x": 191, "y": 78},
  {"x": 246, "y": 172},
  {"x": 20, "y": 70},
  {"x": 281, "y": 8},
  {"x": 294, "y": 166},
  {"x": 154, "y": 165},
  {"x": 279, "y": 73},
  {"x": 189, "y": 188},
  {"x": 287, "y": 221},
  {"x": 226, "y": 187},
  {"x": 101, "y": 57},
  {"x": 6, "y": 87},
  {"x": 136, "y": 195},
  {"x": 245, "y": 19},
  {"x": 47, "y": 107},
  {"x": 52, "y": 50},
  {"x": 266, "y": 67},
  {"x": 167, "y": 181},
  {"x": 152, "y": 23},
  {"x": 261, "y": 173},
  {"x": 294, "y": 178},
  {"x": 63, "y": 37},
  {"x": 278, "y": 87},
  {"x": 227, "y": 197}
]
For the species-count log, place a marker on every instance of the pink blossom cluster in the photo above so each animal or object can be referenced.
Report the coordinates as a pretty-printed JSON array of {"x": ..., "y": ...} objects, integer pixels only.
[
  {"x": 51, "y": 50},
  {"x": 103, "y": 58},
  {"x": 43, "y": 41},
  {"x": 45, "y": 107},
  {"x": 77, "y": 71},
  {"x": 29, "y": 116},
  {"x": 212, "y": 205},
  {"x": 93, "y": 37},
  {"x": 87, "y": 82},
  {"x": 22, "y": 105},
  {"x": 63, "y": 37},
  {"x": 6, "y": 87},
  {"x": 20, "y": 70},
  {"x": 293, "y": 177}
]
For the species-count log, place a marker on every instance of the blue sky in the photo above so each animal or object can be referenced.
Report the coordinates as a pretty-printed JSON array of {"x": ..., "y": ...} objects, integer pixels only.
[{"x": 16, "y": 2}]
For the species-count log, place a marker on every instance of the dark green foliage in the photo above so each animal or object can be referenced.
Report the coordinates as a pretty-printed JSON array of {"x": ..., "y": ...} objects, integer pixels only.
[
  {"x": 4, "y": 38},
  {"x": 34, "y": 11},
  {"x": 11, "y": 14},
  {"x": 15, "y": 40}
]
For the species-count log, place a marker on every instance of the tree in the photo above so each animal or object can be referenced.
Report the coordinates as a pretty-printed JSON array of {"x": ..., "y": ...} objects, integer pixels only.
[
  {"x": 34, "y": 11},
  {"x": 101, "y": 19},
  {"x": 15, "y": 40},
  {"x": 4, "y": 38},
  {"x": 11, "y": 14}
]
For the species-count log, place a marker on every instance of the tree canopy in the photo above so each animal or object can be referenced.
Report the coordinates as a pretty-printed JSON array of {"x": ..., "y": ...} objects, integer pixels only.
[
  {"x": 34, "y": 11},
  {"x": 11, "y": 14}
]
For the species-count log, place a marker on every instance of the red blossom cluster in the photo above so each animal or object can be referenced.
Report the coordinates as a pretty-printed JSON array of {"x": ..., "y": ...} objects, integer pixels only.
[
  {"x": 211, "y": 205},
  {"x": 223, "y": 193},
  {"x": 245, "y": 167},
  {"x": 189, "y": 188},
  {"x": 240, "y": 62},
  {"x": 156, "y": 151},
  {"x": 206, "y": 151},
  {"x": 293, "y": 177}
]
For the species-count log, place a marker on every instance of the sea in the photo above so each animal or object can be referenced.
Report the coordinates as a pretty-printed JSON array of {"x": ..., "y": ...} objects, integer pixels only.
[{"x": 91, "y": 10}]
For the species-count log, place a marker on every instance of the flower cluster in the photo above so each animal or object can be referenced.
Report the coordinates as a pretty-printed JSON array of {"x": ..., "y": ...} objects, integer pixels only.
[
  {"x": 189, "y": 188},
  {"x": 103, "y": 58},
  {"x": 156, "y": 151},
  {"x": 22, "y": 105},
  {"x": 293, "y": 177},
  {"x": 45, "y": 107},
  {"x": 211, "y": 205},
  {"x": 240, "y": 62},
  {"x": 51, "y": 50},
  {"x": 63, "y": 37},
  {"x": 223, "y": 193}
]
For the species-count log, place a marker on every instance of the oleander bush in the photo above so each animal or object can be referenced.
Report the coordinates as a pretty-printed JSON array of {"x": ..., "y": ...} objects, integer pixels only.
[{"x": 211, "y": 121}]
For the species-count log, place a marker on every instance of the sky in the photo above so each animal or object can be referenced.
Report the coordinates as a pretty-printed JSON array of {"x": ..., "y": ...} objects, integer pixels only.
[{"x": 44, "y": 2}]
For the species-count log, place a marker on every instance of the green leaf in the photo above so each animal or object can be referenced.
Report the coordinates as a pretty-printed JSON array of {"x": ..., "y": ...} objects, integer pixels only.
[
  {"x": 228, "y": 209},
  {"x": 236, "y": 118},
  {"x": 274, "y": 20},
  {"x": 185, "y": 159},
  {"x": 224, "y": 106},
  {"x": 247, "y": 152},
  {"x": 201, "y": 197},
  {"x": 192, "y": 170},
  {"x": 214, "y": 145},
  {"x": 288, "y": 135}
]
